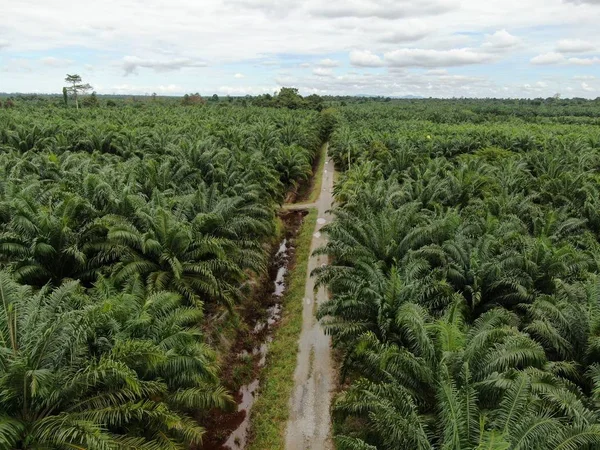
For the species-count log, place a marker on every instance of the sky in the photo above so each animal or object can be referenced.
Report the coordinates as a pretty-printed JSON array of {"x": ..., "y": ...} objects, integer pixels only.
[{"x": 429, "y": 48}]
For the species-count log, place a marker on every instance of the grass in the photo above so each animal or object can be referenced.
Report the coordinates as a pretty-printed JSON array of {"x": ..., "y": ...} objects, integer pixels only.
[{"x": 270, "y": 413}]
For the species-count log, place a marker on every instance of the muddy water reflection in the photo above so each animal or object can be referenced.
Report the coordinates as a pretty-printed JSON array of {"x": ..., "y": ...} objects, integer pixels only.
[{"x": 262, "y": 328}]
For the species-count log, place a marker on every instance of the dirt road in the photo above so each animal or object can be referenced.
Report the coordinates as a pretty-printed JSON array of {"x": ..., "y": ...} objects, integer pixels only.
[{"x": 309, "y": 425}]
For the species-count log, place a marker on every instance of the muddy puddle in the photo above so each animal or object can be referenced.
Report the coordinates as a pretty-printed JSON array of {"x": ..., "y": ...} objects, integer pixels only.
[
  {"x": 230, "y": 431},
  {"x": 237, "y": 439}
]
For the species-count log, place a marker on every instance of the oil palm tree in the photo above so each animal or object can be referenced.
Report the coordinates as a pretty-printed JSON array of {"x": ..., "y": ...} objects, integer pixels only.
[
  {"x": 486, "y": 388},
  {"x": 44, "y": 243},
  {"x": 56, "y": 393},
  {"x": 169, "y": 255}
]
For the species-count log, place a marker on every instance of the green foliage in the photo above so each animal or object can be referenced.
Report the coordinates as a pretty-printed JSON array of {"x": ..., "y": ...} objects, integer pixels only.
[
  {"x": 192, "y": 99},
  {"x": 289, "y": 98},
  {"x": 464, "y": 276},
  {"x": 76, "y": 86},
  {"x": 65, "y": 384},
  {"x": 91, "y": 101},
  {"x": 122, "y": 234}
]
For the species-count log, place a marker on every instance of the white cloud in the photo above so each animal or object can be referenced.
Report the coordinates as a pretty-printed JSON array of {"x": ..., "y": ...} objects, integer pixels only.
[
  {"x": 382, "y": 9},
  {"x": 264, "y": 37},
  {"x": 537, "y": 89},
  {"x": 17, "y": 65},
  {"x": 582, "y": 2},
  {"x": 586, "y": 87},
  {"x": 364, "y": 58},
  {"x": 238, "y": 75},
  {"x": 277, "y": 8},
  {"x": 501, "y": 40},
  {"x": 584, "y": 77},
  {"x": 437, "y": 72},
  {"x": 547, "y": 58},
  {"x": 558, "y": 58},
  {"x": 416, "y": 57},
  {"x": 408, "y": 31},
  {"x": 286, "y": 80},
  {"x": 247, "y": 90},
  {"x": 130, "y": 89},
  {"x": 322, "y": 72},
  {"x": 269, "y": 63},
  {"x": 328, "y": 62},
  {"x": 55, "y": 62},
  {"x": 409, "y": 35},
  {"x": 131, "y": 64},
  {"x": 583, "y": 61},
  {"x": 398, "y": 83},
  {"x": 574, "y": 46}
]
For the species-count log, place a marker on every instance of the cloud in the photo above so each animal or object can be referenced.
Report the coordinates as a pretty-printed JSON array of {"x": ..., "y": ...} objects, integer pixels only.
[
  {"x": 582, "y": 2},
  {"x": 51, "y": 61},
  {"x": 437, "y": 72},
  {"x": 547, "y": 58},
  {"x": 269, "y": 63},
  {"x": 238, "y": 75},
  {"x": 395, "y": 84},
  {"x": 263, "y": 37},
  {"x": 328, "y": 62},
  {"x": 583, "y": 61},
  {"x": 586, "y": 87},
  {"x": 409, "y": 34},
  {"x": 558, "y": 58},
  {"x": 574, "y": 46},
  {"x": 141, "y": 90},
  {"x": 17, "y": 65},
  {"x": 584, "y": 77},
  {"x": 382, "y": 9},
  {"x": 247, "y": 90},
  {"x": 322, "y": 72},
  {"x": 427, "y": 58},
  {"x": 416, "y": 57},
  {"x": 536, "y": 89},
  {"x": 3, "y": 43},
  {"x": 500, "y": 40},
  {"x": 131, "y": 64},
  {"x": 278, "y": 8},
  {"x": 364, "y": 58}
]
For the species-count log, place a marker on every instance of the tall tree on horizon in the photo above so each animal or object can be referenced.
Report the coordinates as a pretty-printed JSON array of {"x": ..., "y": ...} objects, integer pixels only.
[{"x": 76, "y": 86}]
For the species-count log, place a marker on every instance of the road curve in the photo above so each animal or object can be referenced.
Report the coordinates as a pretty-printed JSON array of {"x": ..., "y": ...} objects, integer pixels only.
[{"x": 309, "y": 424}]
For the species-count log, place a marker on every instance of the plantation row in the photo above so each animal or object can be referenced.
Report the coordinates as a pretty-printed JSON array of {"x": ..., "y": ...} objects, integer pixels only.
[
  {"x": 123, "y": 232},
  {"x": 465, "y": 280}
]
